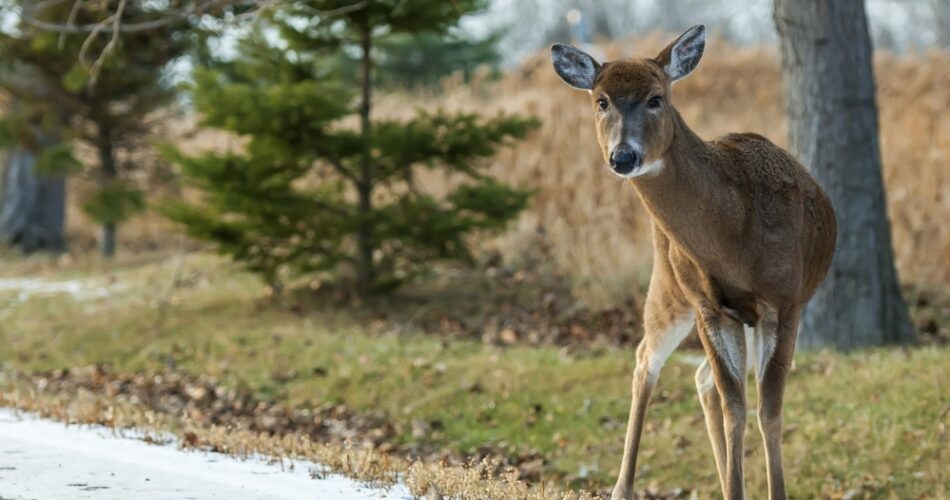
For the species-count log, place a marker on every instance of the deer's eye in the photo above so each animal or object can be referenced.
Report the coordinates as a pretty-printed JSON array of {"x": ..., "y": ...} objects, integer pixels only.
[
  {"x": 602, "y": 104},
  {"x": 654, "y": 102}
]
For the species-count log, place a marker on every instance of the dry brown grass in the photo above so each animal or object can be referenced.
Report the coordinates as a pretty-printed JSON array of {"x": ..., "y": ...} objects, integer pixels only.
[{"x": 593, "y": 224}]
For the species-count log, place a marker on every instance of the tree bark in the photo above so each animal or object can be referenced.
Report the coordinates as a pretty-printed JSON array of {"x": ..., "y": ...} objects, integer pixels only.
[
  {"x": 32, "y": 205},
  {"x": 941, "y": 12},
  {"x": 365, "y": 271},
  {"x": 107, "y": 236},
  {"x": 833, "y": 130}
]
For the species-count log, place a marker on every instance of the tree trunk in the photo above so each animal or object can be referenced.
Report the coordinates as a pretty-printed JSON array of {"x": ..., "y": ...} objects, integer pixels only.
[
  {"x": 365, "y": 271},
  {"x": 107, "y": 235},
  {"x": 941, "y": 12},
  {"x": 32, "y": 205},
  {"x": 833, "y": 130}
]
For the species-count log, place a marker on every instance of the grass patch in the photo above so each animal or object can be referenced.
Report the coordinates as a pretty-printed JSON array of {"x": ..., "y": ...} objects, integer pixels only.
[{"x": 870, "y": 423}]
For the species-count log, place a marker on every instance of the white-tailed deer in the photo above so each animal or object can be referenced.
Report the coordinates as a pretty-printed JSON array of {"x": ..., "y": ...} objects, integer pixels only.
[{"x": 742, "y": 236}]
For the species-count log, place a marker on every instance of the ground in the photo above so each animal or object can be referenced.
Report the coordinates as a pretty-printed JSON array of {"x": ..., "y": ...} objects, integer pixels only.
[{"x": 867, "y": 424}]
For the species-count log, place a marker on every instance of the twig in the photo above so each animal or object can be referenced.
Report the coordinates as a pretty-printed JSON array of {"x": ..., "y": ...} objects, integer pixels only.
[
  {"x": 170, "y": 17},
  {"x": 176, "y": 276},
  {"x": 114, "y": 22},
  {"x": 48, "y": 3},
  {"x": 89, "y": 28},
  {"x": 107, "y": 51},
  {"x": 70, "y": 21},
  {"x": 92, "y": 36},
  {"x": 339, "y": 11}
]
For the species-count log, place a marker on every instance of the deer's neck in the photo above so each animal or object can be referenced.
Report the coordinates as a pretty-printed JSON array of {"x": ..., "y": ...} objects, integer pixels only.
[{"x": 688, "y": 191}]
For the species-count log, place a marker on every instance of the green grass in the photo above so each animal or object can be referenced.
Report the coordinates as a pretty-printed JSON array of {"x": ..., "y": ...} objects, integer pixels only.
[{"x": 870, "y": 422}]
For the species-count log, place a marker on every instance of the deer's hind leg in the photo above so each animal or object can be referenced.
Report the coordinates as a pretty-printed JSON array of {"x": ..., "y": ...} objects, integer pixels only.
[
  {"x": 712, "y": 412},
  {"x": 711, "y": 400},
  {"x": 667, "y": 322},
  {"x": 724, "y": 341},
  {"x": 774, "y": 349}
]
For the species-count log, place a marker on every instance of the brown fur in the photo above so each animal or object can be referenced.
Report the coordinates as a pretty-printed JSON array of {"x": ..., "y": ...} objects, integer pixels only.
[
  {"x": 627, "y": 85},
  {"x": 742, "y": 235}
]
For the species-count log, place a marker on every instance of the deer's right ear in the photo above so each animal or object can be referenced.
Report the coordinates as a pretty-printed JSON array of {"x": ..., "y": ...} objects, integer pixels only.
[{"x": 576, "y": 67}]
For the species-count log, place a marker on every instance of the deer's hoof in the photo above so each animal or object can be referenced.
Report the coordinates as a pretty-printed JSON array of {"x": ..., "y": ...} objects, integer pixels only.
[{"x": 621, "y": 493}]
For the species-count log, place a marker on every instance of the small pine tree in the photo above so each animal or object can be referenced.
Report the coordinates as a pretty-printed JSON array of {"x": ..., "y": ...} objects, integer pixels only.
[
  {"x": 48, "y": 73},
  {"x": 413, "y": 60},
  {"x": 320, "y": 185}
]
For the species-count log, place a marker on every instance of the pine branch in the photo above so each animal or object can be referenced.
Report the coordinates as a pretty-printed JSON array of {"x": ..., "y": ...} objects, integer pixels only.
[
  {"x": 341, "y": 169},
  {"x": 331, "y": 208}
]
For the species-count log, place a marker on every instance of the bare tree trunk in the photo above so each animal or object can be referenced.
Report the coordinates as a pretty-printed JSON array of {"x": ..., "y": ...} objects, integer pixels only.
[
  {"x": 32, "y": 205},
  {"x": 107, "y": 234},
  {"x": 833, "y": 129},
  {"x": 365, "y": 271}
]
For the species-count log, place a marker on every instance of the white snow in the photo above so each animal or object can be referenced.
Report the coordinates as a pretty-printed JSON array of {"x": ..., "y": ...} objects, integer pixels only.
[
  {"x": 41, "y": 459},
  {"x": 27, "y": 287}
]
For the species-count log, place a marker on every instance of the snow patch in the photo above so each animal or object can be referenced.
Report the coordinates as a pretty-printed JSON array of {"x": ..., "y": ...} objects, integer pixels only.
[
  {"x": 77, "y": 289},
  {"x": 45, "y": 459}
]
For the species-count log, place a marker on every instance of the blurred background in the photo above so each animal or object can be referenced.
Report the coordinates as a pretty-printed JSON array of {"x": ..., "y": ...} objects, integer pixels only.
[{"x": 332, "y": 204}]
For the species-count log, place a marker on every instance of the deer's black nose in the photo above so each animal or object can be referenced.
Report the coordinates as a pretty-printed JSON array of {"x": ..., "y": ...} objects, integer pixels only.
[{"x": 623, "y": 159}]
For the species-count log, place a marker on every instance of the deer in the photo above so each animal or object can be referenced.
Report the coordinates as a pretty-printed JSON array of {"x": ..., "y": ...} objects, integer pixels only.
[{"x": 742, "y": 237}]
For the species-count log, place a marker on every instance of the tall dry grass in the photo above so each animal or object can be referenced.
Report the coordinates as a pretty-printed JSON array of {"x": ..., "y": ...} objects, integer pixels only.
[{"x": 591, "y": 224}]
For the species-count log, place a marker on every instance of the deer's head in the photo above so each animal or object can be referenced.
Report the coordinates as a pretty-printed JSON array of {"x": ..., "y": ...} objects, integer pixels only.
[{"x": 631, "y": 99}]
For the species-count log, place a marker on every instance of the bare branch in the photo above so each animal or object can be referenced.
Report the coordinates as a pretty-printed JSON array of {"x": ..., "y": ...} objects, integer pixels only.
[
  {"x": 168, "y": 17},
  {"x": 70, "y": 21},
  {"x": 256, "y": 14},
  {"x": 339, "y": 11},
  {"x": 89, "y": 28},
  {"x": 114, "y": 22},
  {"x": 116, "y": 26},
  {"x": 48, "y": 3},
  {"x": 70, "y": 27},
  {"x": 100, "y": 27}
]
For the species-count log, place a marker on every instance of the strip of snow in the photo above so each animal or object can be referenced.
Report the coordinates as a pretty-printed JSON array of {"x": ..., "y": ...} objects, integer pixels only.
[
  {"x": 27, "y": 287},
  {"x": 42, "y": 459}
]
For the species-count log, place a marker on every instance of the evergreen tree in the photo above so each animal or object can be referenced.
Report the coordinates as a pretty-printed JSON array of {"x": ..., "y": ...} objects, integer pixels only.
[
  {"x": 320, "y": 185},
  {"x": 422, "y": 59},
  {"x": 104, "y": 101}
]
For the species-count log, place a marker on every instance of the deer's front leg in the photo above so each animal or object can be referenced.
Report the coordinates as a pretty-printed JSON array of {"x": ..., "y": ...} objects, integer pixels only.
[{"x": 664, "y": 330}]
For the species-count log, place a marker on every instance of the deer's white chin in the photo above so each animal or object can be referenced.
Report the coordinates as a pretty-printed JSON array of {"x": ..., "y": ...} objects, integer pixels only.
[{"x": 644, "y": 170}]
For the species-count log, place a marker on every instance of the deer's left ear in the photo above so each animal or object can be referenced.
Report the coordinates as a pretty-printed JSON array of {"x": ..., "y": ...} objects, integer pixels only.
[{"x": 682, "y": 56}]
